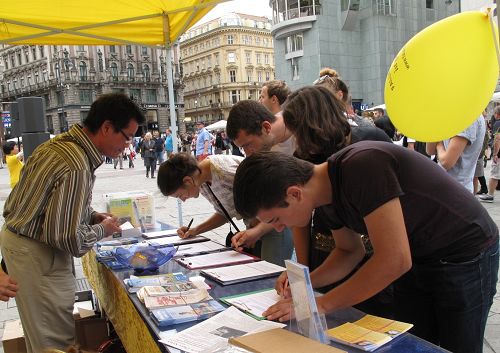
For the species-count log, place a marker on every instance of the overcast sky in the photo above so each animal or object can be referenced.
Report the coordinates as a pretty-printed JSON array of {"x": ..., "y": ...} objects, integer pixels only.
[{"x": 249, "y": 7}]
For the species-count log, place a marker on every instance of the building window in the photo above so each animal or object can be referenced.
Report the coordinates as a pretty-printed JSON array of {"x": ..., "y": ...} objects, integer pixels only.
[
  {"x": 128, "y": 49},
  {"x": 81, "y": 48},
  {"x": 12, "y": 62},
  {"x": 33, "y": 51},
  {"x": 294, "y": 43},
  {"x": 216, "y": 59},
  {"x": 60, "y": 98},
  {"x": 249, "y": 75},
  {"x": 112, "y": 49},
  {"x": 429, "y": 4},
  {"x": 268, "y": 76},
  {"x": 114, "y": 71},
  {"x": 6, "y": 64},
  {"x": 63, "y": 122},
  {"x": 83, "y": 71},
  {"x": 57, "y": 70},
  {"x": 386, "y": 7},
  {"x": 27, "y": 56},
  {"x": 42, "y": 51},
  {"x": 144, "y": 50},
  {"x": 151, "y": 96},
  {"x": 135, "y": 94},
  {"x": 248, "y": 57},
  {"x": 234, "y": 96},
  {"x": 257, "y": 41},
  {"x": 209, "y": 61},
  {"x": 259, "y": 76},
  {"x": 231, "y": 57},
  {"x": 230, "y": 39},
  {"x": 258, "y": 58},
  {"x": 130, "y": 72},
  {"x": 295, "y": 69},
  {"x": 266, "y": 59},
  {"x": 265, "y": 42},
  {"x": 232, "y": 75},
  {"x": 19, "y": 59},
  {"x": 85, "y": 96},
  {"x": 147, "y": 72},
  {"x": 36, "y": 77}
]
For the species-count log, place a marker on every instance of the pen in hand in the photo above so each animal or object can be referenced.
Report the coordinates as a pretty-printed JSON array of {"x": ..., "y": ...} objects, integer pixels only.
[{"x": 189, "y": 225}]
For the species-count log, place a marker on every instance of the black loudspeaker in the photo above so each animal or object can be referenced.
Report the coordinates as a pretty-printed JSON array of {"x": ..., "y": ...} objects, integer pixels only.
[
  {"x": 31, "y": 114},
  {"x": 32, "y": 140},
  {"x": 14, "y": 120}
]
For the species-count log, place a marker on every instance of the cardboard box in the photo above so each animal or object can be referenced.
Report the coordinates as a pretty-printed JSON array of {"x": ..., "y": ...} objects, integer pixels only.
[
  {"x": 91, "y": 332},
  {"x": 13, "y": 337}
]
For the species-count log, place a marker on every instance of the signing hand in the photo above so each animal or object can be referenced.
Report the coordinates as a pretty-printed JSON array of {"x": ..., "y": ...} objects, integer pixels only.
[
  {"x": 282, "y": 287},
  {"x": 8, "y": 287},
  {"x": 246, "y": 238},
  {"x": 184, "y": 232},
  {"x": 281, "y": 311}
]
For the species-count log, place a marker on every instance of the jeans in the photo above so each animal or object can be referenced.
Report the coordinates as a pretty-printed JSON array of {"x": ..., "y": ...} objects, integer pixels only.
[
  {"x": 449, "y": 301},
  {"x": 159, "y": 157}
]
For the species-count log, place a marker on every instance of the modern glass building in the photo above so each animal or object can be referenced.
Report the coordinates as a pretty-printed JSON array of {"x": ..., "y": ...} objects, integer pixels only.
[{"x": 358, "y": 38}]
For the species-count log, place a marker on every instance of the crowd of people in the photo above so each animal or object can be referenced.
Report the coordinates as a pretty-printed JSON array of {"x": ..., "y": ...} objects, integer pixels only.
[{"x": 397, "y": 231}]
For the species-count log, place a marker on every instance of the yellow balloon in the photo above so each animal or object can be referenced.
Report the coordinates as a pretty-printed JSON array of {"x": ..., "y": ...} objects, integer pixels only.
[{"x": 443, "y": 78}]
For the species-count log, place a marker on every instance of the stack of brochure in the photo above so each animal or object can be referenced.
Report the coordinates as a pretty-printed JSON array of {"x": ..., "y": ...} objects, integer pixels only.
[
  {"x": 368, "y": 333},
  {"x": 216, "y": 259},
  {"x": 179, "y": 314}
]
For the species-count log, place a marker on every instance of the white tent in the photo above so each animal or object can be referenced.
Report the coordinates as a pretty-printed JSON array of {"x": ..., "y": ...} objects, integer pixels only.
[
  {"x": 21, "y": 138},
  {"x": 220, "y": 125},
  {"x": 375, "y": 107},
  {"x": 496, "y": 97}
]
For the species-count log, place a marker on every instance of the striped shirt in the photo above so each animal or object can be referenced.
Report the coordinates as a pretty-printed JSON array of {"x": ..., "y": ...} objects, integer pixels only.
[{"x": 51, "y": 202}]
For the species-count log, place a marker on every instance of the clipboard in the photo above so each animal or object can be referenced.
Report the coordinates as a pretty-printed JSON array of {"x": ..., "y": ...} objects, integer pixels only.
[{"x": 217, "y": 259}]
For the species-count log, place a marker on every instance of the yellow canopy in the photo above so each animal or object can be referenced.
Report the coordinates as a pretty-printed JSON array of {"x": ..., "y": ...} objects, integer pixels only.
[{"x": 92, "y": 22}]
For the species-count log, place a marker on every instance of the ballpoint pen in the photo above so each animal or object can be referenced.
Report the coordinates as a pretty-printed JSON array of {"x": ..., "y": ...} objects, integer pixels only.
[
  {"x": 189, "y": 225},
  {"x": 139, "y": 218}
]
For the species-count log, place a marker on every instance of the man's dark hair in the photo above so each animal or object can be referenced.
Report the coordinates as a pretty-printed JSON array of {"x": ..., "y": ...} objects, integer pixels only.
[
  {"x": 262, "y": 180},
  {"x": 277, "y": 88},
  {"x": 247, "y": 115},
  {"x": 316, "y": 118},
  {"x": 380, "y": 110},
  {"x": 386, "y": 124},
  {"x": 171, "y": 172},
  {"x": 8, "y": 146},
  {"x": 117, "y": 108}
]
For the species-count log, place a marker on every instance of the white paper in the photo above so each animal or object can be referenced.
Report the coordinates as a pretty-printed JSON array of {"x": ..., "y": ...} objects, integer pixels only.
[
  {"x": 175, "y": 240},
  {"x": 196, "y": 248},
  {"x": 217, "y": 330},
  {"x": 254, "y": 269},
  {"x": 160, "y": 233},
  {"x": 255, "y": 303},
  {"x": 128, "y": 230},
  {"x": 215, "y": 259}
]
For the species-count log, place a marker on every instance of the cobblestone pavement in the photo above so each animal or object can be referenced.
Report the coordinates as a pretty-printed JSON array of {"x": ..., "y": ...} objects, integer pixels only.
[{"x": 115, "y": 180}]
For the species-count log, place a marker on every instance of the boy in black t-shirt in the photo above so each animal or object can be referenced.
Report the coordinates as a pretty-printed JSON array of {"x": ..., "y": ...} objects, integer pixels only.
[{"x": 440, "y": 250}]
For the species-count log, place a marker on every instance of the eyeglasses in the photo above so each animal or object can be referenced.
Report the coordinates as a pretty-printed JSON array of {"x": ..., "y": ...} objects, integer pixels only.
[{"x": 128, "y": 139}]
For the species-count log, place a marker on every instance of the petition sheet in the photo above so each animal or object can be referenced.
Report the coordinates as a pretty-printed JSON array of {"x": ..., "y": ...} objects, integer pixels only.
[{"x": 217, "y": 330}]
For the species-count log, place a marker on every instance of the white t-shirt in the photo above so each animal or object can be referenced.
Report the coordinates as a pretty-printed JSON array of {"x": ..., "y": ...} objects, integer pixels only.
[{"x": 223, "y": 168}]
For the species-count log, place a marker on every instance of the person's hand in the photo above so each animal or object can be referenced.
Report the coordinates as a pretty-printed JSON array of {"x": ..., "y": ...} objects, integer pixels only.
[
  {"x": 99, "y": 217},
  {"x": 281, "y": 311},
  {"x": 184, "y": 232},
  {"x": 111, "y": 226},
  {"x": 8, "y": 287},
  {"x": 282, "y": 287},
  {"x": 246, "y": 238}
]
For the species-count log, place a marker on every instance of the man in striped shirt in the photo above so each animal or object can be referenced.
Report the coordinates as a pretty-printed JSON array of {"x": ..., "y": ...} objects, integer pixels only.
[{"x": 48, "y": 218}]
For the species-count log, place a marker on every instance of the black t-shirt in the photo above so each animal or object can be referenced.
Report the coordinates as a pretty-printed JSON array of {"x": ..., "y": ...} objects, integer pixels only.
[
  {"x": 159, "y": 144},
  {"x": 443, "y": 219}
]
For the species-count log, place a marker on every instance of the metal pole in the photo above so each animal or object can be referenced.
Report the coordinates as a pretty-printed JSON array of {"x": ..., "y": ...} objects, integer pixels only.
[{"x": 171, "y": 97}]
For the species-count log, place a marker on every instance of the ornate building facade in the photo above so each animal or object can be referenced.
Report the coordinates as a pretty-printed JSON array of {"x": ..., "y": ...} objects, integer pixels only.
[
  {"x": 224, "y": 61},
  {"x": 70, "y": 78}
]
